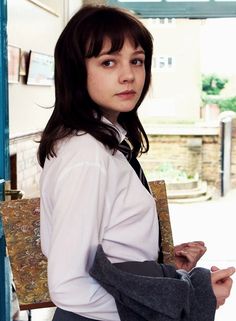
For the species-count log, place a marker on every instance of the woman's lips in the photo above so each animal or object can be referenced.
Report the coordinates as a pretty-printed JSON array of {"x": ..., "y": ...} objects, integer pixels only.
[{"x": 127, "y": 94}]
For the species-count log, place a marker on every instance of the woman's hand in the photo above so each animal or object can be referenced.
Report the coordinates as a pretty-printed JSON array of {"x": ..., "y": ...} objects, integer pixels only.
[
  {"x": 188, "y": 254},
  {"x": 221, "y": 283}
]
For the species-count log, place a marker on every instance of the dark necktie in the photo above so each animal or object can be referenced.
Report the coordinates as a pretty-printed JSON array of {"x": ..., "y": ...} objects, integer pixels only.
[{"x": 125, "y": 147}]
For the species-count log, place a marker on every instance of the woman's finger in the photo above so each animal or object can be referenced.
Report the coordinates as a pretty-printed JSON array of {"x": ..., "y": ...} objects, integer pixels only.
[{"x": 222, "y": 274}]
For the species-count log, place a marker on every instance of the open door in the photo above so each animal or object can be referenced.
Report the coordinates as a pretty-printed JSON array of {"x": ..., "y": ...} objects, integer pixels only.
[{"x": 4, "y": 162}]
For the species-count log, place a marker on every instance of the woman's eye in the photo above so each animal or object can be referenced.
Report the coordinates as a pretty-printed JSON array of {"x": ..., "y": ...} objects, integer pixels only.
[
  {"x": 108, "y": 63},
  {"x": 137, "y": 62}
]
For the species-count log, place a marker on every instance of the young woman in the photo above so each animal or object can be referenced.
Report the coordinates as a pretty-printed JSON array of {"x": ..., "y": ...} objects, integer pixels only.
[{"x": 93, "y": 190}]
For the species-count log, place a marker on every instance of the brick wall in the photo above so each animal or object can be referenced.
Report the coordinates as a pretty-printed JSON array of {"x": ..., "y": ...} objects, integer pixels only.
[
  {"x": 233, "y": 155},
  {"x": 28, "y": 170},
  {"x": 211, "y": 160},
  {"x": 192, "y": 154}
]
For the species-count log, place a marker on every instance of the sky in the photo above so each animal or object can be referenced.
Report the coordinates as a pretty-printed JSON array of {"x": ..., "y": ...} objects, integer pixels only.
[{"x": 218, "y": 39}]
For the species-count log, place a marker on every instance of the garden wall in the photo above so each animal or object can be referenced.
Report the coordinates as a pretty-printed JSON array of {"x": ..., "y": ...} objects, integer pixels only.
[
  {"x": 193, "y": 151},
  {"x": 233, "y": 155}
]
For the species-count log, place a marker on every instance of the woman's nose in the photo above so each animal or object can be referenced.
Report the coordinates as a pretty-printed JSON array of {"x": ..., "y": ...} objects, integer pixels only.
[{"x": 126, "y": 74}]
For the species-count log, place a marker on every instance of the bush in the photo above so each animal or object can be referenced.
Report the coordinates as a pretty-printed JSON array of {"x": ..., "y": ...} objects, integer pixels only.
[
  {"x": 209, "y": 99},
  {"x": 227, "y": 104},
  {"x": 170, "y": 174}
]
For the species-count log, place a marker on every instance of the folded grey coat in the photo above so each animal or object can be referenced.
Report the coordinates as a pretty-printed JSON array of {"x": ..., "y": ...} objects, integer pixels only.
[{"x": 148, "y": 291}]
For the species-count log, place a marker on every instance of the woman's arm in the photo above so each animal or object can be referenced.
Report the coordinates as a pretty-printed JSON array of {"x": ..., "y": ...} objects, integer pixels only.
[
  {"x": 165, "y": 294},
  {"x": 77, "y": 228}
]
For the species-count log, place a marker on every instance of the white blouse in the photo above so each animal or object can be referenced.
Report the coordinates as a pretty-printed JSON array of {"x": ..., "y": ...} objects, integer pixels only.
[{"x": 88, "y": 197}]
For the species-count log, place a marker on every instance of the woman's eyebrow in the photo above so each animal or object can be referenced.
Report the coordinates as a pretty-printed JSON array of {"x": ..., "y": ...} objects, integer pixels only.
[
  {"x": 137, "y": 52},
  {"x": 104, "y": 53}
]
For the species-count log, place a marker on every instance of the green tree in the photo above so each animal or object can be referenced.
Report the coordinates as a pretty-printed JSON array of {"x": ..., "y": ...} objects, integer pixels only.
[
  {"x": 212, "y": 84},
  {"x": 211, "y": 88}
]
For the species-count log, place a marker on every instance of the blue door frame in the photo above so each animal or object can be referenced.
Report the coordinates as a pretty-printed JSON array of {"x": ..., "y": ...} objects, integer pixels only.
[
  {"x": 145, "y": 9},
  {"x": 5, "y": 306}
]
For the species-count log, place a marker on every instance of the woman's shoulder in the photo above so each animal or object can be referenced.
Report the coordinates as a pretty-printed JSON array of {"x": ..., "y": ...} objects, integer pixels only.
[
  {"x": 84, "y": 141},
  {"x": 82, "y": 147},
  {"x": 81, "y": 140}
]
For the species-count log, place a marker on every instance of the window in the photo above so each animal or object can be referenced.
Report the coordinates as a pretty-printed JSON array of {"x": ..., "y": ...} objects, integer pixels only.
[
  {"x": 163, "y": 63},
  {"x": 166, "y": 21}
]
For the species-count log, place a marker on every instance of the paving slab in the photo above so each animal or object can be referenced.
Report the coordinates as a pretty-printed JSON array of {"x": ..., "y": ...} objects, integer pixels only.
[{"x": 213, "y": 222}]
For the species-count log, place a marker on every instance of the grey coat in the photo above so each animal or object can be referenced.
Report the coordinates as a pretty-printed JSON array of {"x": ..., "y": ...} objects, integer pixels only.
[{"x": 156, "y": 292}]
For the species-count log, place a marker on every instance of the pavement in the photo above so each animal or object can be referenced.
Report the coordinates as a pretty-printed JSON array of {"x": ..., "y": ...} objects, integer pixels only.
[{"x": 213, "y": 222}]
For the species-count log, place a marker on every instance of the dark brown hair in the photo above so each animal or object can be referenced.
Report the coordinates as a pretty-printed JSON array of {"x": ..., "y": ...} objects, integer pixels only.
[{"x": 74, "y": 110}]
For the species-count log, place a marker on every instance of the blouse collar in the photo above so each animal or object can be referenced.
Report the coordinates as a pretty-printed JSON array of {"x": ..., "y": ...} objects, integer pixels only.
[{"x": 121, "y": 131}]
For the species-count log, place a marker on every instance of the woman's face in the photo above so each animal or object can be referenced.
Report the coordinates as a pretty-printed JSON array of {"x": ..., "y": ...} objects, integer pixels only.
[{"x": 115, "y": 80}]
